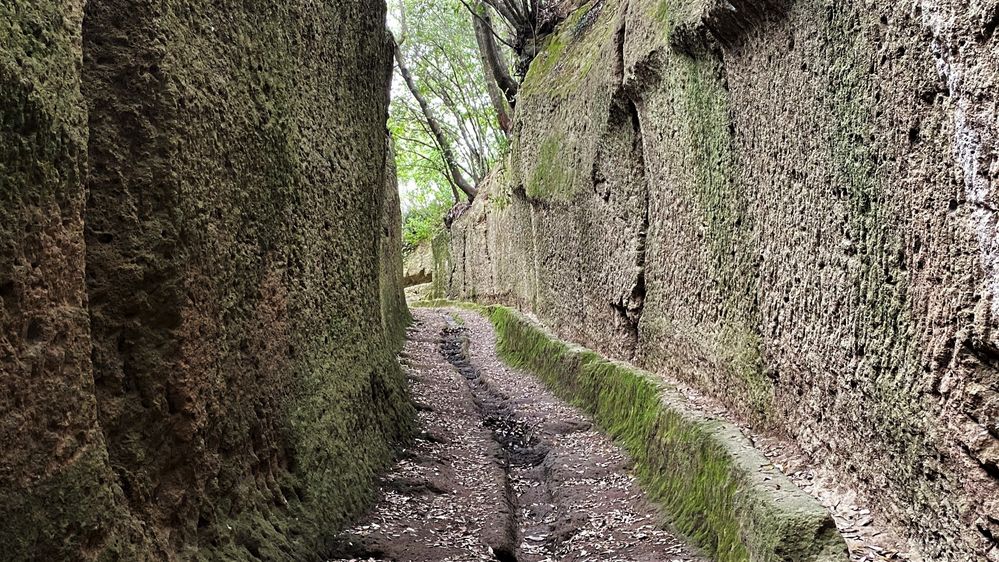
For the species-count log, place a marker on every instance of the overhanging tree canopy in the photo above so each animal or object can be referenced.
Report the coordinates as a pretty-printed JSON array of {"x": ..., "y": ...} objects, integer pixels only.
[{"x": 449, "y": 115}]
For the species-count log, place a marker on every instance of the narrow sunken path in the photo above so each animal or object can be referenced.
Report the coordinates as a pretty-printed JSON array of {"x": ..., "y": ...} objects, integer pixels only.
[{"x": 502, "y": 469}]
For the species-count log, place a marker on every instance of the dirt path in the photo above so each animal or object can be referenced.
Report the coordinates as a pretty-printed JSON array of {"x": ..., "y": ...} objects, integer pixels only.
[{"x": 503, "y": 470}]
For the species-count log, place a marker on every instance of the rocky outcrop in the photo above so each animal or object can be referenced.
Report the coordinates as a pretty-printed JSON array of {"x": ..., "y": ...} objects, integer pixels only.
[
  {"x": 418, "y": 265},
  {"x": 198, "y": 359},
  {"x": 785, "y": 204}
]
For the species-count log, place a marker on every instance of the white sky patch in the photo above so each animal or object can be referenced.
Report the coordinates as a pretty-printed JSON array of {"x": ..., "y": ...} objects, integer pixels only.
[{"x": 406, "y": 191}]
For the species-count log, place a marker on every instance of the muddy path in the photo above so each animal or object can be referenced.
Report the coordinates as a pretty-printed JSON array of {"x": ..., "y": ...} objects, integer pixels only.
[{"x": 502, "y": 469}]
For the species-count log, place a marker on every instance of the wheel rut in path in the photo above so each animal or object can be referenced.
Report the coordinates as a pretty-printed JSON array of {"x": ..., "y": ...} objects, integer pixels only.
[{"x": 502, "y": 469}]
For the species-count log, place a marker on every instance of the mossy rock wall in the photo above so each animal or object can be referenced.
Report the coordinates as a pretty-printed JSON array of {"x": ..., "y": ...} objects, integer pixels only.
[
  {"x": 56, "y": 484},
  {"x": 201, "y": 277},
  {"x": 787, "y": 205},
  {"x": 395, "y": 313}
]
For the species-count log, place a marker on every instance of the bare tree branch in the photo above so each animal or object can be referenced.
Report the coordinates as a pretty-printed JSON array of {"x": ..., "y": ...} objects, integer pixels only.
[
  {"x": 446, "y": 150},
  {"x": 495, "y": 67},
  {"x": 492, "y": 30}
]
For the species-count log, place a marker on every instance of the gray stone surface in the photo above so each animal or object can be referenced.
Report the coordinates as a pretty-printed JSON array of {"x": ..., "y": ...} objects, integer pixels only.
[
  {"x": 788, "y": 206},
  {"x": 418, "y": 264}
]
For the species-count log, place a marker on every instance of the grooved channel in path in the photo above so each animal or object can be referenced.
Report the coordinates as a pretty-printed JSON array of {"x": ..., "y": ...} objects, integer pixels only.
[{"x": 502, "y": 470}]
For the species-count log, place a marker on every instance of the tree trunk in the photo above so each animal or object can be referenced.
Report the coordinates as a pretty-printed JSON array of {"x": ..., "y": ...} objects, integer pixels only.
[
  {"x": 493, "y": 56},
  {"x": 500, "y": 102},
  {"x": 435, "y": 128}
]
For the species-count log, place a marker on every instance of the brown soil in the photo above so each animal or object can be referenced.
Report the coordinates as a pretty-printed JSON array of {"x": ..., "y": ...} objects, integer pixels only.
[{"x": 502, "y": 469}]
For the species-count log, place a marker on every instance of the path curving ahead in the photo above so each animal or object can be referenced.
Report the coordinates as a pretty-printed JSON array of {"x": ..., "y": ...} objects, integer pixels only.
[{"x": 502, "y": 470}]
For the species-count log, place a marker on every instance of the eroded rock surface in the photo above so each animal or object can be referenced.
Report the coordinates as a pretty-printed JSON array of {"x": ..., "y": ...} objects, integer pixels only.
[
  {"x": 786, "y": 205},
  {"x": 200, "y": 277},
  {"x": 418, "y": 265}
]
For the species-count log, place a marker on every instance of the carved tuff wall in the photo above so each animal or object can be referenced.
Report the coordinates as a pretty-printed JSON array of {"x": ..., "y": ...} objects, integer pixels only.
[
  {"x": 788, "y": 205},
  {"x": 200, "y": 276}
]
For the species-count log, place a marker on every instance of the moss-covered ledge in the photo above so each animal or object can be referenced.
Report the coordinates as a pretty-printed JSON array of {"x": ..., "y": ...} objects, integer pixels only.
[{"x": 712, "y": 485}]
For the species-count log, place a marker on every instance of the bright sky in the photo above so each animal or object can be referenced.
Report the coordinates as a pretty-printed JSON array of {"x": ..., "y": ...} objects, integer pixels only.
[{"x": 405, "y": 189}]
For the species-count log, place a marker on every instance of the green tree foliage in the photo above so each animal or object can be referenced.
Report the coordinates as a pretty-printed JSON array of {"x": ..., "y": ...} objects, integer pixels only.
[
  {"x": 424, "y": 219},
  {"x": 438, "y": 41},
  {"x": 438, "y": 44}
]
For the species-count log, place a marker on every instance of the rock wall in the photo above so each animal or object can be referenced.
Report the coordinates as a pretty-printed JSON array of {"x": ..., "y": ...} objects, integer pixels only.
[
  {"x": 197, "y": 334},
  {"x": 395, "y": 311},
  {"x": 54, "y": 471},
  {"x": 418, "y": 265},
  {"x": 786, "y": 204}
]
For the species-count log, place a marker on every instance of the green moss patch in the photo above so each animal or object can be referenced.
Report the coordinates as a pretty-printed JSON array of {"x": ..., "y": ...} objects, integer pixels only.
[
  {"x": 568, "y": 85},
  {"x": 76, "y": 504},
  {"x": 552, "y": 178},
  {"x": 573, "y": 50}
]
